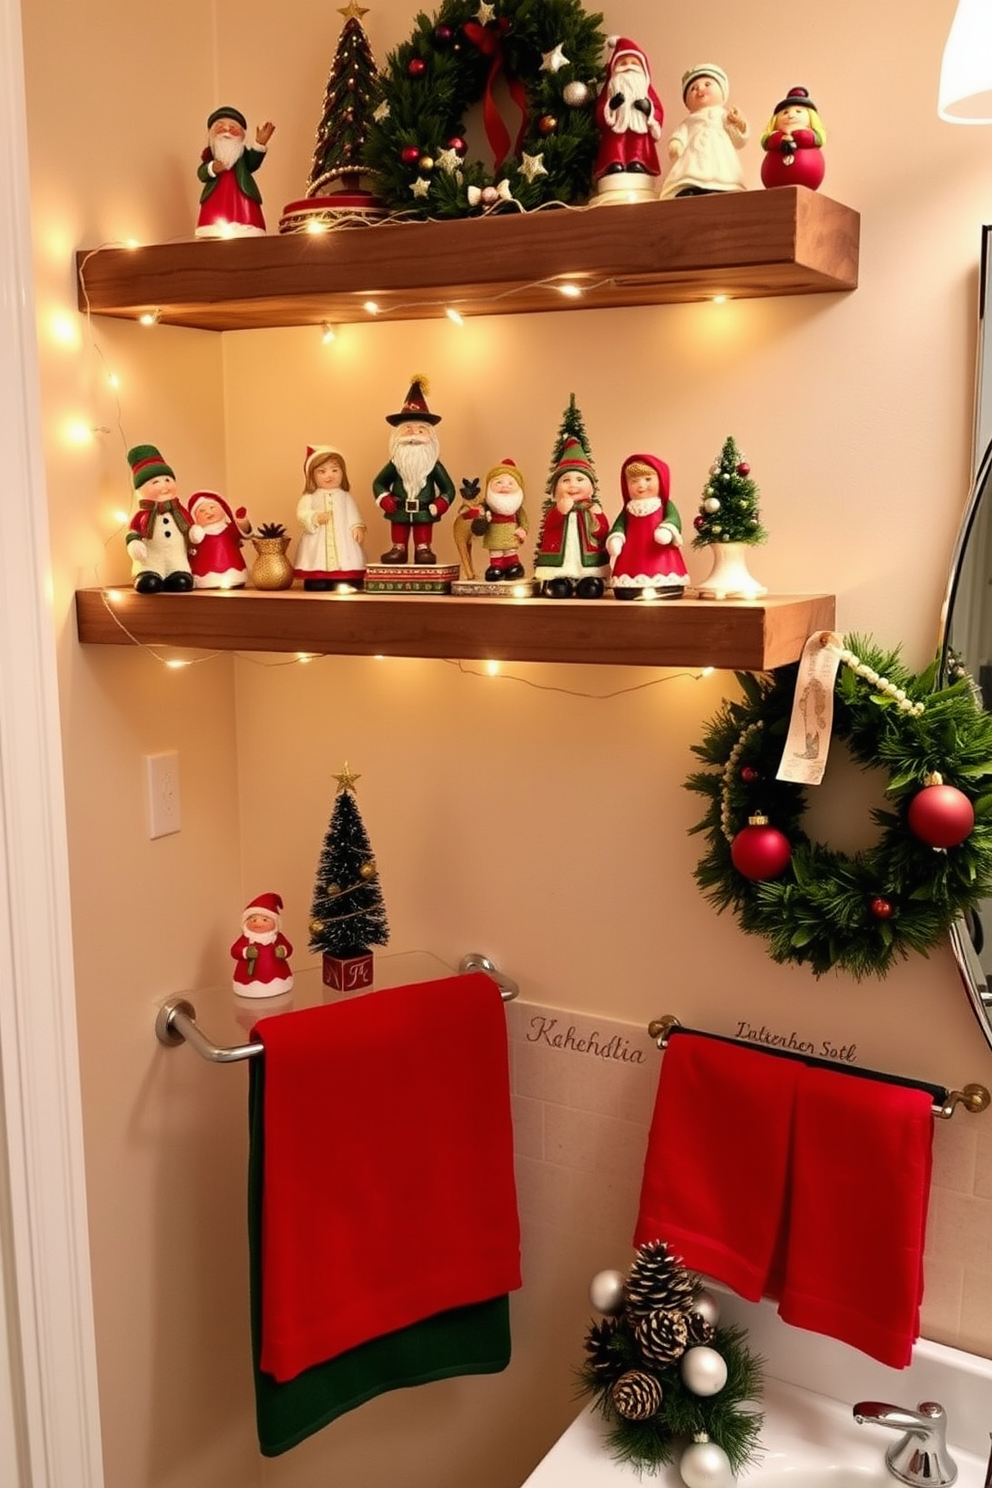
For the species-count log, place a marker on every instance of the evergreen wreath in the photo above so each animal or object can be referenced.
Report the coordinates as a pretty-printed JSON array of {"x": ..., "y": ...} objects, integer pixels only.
[
  {"x": 827, "y": 909},
  {"x": 549, "y": 53},
  {"x": 642, "y": 1360}
]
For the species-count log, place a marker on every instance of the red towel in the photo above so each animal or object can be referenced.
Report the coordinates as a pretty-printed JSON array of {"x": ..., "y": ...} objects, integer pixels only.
[
  {"x": 860, "y": 1190},
  {"x": 388, "y": 1167},
  {"x": 717, "y": 1159}
]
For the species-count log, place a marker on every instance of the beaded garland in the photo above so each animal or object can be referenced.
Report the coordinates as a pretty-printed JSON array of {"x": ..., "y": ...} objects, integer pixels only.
[
  {"x": 827, "y": 909},
  {"x": 550, "y": 58}
]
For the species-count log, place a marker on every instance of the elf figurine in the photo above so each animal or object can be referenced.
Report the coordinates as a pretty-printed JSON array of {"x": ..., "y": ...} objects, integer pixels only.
[
  {"x": 216, "y": 560},
  {"x": 500, "y": 520},
  {"x": 571, "y": 559},
  {"x": 261, "y": 952},
  {"x": 645, "y": 541},
  {"x": 161, "y": 531},
  {"x": 792, "y": 143},
  {"x": 230, "y": 202},
  {"x": 414, "y": 490}
]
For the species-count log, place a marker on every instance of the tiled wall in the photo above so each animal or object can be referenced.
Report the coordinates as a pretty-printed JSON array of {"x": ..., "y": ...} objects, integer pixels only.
[{"x": 583, "y": 1095}]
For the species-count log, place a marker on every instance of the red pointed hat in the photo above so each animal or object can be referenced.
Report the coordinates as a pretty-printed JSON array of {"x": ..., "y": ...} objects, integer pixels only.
[
  {"x": 269, "y": 904},
  {"x": 415, "y": 408},
  {"x": 573, "y": 457},
  {"x": 199, "y": 496},
  {"x": 623, "y": 47}
]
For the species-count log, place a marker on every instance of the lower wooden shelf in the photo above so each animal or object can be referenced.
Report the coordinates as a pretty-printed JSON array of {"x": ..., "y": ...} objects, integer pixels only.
[{"x": 740, "y": 635}]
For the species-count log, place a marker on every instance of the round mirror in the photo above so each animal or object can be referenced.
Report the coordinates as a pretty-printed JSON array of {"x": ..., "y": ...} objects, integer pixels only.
[{"x": 966, "y": 647}]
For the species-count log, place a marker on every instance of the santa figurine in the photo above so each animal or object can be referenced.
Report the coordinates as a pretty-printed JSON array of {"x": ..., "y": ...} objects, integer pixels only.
[
  {"x": 414, "y": 490},
  {"x": 161, "y": 531},
  {"x": 261, "y": 952},
  {"x": 502, "y": 522},
  {"x": 645, "y": 541},
  {"x": 216, "y": 560},
  {"x": 792, "y": 143},
  {"x": 629, "y": 114},
  {"x": 230, "y": 202}
]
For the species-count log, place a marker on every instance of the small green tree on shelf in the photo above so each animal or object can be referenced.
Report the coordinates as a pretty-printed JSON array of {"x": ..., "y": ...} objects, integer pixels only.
[
  {"x": 351, "y": 94},
  {"x": 347, "y": 913},
  {"x": 729, "y": 511}
]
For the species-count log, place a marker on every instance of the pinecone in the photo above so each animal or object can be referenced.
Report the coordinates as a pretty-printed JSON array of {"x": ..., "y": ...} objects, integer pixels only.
[
  {"x": 700, "y": 1329},
  {"x": 604, "y": 1360},
  {"x": 637, "y": 1396},
  {"x": 662, "y": 1336},
  {"x": 658, "y": 1280}
]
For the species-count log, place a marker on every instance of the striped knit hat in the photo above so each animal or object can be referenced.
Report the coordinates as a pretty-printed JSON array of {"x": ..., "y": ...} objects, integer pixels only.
[
  {"x": 146, "y": 463},
  {"x": 573, "y": 457}
]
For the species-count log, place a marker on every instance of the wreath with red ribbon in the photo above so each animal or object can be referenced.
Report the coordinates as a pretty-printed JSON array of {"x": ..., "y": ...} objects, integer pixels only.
[{"x": 546, "y": 56}]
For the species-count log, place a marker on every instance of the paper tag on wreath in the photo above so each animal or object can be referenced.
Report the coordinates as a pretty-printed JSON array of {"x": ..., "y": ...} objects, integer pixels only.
[{"x": 804, "y": 757}]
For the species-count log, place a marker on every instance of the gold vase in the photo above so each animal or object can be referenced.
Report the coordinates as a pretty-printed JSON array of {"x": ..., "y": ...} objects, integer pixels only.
[{"x": 271, "y": 569}]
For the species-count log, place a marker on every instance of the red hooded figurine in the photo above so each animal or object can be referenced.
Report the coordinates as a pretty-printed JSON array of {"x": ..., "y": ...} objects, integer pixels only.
[
  {"x": 645, "y": 541},
  {"x": 261, "y": 952},
  {"x": 216, "y": 559}
]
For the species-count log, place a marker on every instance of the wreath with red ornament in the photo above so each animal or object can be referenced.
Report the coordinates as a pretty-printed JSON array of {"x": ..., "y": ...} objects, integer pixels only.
[
  {"x": 544, "y": 62},
  {"x": 814, "y": 905}
]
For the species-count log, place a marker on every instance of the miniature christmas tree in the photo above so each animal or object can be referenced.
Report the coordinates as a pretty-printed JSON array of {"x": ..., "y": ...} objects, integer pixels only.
[
  {"x": 728, "y": 523},
  {"x": 347, "y": 914},
  {"x": 334, "y": 188},
  {"x": 729, "y": 511}
]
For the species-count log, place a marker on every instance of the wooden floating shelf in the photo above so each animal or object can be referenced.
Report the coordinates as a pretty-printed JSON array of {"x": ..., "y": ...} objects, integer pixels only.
[
  {"x": 738, "y": 635},
  {"x": 746, "y": 244}
]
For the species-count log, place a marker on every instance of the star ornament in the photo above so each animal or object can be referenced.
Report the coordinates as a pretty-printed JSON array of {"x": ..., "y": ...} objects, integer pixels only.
[
  {"x": 448, "y": 160},
  {"x": 347, "y": 778},
  {"x": 485, "y": 14},
  {"x": 552, "y": 61},
  {"x": 532, "y": 165},
  {"x": 421, "y": 186},
  {"x": 351, "y": 11}
]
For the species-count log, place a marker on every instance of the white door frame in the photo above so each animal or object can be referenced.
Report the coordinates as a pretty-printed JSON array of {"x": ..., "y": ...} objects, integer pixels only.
[{"x": 49, "y": 1417}]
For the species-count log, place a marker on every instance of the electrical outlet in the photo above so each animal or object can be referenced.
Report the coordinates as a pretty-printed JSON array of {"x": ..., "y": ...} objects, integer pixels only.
[{"x": 162, "y": 794}]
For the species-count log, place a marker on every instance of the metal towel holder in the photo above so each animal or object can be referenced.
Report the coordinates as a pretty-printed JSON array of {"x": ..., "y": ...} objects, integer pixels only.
[
  {"x": 974, "y": 1098},
  {"x": 175, "y": 1022}
]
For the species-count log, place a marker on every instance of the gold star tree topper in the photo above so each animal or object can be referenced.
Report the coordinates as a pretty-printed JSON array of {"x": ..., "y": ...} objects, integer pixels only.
[{"x": 346, "y": 778}]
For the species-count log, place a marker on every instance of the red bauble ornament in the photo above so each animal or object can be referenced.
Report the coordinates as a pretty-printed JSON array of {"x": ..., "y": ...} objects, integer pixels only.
[
  {"x": 459, "y": 146},
  {"x": 410, "y": 154},
  {"x": 749, "y": 774},
  {"x": 697, "y": 522},
  {"x": 940, "y": 815},
  {"x": 881, "y": 909},
  {"x": 743, "y": 468},
  {"x": 760, "y": 851},
  {"x": 416, "y": 67},
  {"x": 442, "y": 35},
  {"x": 547, "y": 124}
]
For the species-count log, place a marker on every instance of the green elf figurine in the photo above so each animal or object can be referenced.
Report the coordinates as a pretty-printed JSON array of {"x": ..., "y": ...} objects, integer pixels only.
[
  {"x": 414, "y": 490},
  {"x": 230, "y": 202}
]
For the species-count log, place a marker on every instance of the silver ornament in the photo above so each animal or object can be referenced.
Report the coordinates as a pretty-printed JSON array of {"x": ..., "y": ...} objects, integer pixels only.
[
  {"x": 606, "y": 1292},
  {"x": 711, "y": 504},
  {"x": 705, "y": 1465},
  {"x": 576, "y": 95},
  {"x": 707, "y": 1305},
  {"x": 703, "y": 1370}
]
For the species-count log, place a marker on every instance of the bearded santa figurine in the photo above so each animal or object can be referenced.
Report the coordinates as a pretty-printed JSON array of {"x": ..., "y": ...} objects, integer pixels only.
[
  {"x": 230, "y": 202},
  {"x": 629, "y": 114},
  {"x": 414, "y": 490},
  {"x": 645, "y": 541},
  {"x": 504, "y": 522},
  {"x": 216, "y": 560},
  {"x": 261, "y": 952}
]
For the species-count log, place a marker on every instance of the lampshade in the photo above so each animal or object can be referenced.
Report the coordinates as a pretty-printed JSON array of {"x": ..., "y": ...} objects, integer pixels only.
[{"x": 965, "y": 92}]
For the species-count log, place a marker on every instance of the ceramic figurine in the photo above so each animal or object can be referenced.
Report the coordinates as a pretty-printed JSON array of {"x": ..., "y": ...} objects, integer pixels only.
[
  {"x": 161, "y": 531},
  {"x": 468, "y": 518},
  {"x": 503, "y": 522},
  {"x": 230, "y": 202},
  {"x": 703, "y": 151},
  {"x": 329, "y": 554},
  {"x": 629, "y": 114},
  {"x": 793, "y": 143},
  {"x": 645, "y": 541},
  {"x": 217, "y": 560},
  {"x": 261, "y": 952},
  {"x": 413, "y": 490},
  {"x": 571, "y": 559}
]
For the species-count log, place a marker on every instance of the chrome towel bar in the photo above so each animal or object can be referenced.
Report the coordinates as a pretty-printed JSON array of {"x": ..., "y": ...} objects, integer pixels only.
[
  {"x": 175, "y": 1022},
  {"x": 974, "y": 1098}
]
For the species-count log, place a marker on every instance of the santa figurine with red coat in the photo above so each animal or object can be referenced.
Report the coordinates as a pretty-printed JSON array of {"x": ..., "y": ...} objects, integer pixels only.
[
  {"x": 261, "y": 952},
  {"x": 645, "y": 541},
  {"x": 629, "y": 114},
  {"x": 216, "y": 559}
]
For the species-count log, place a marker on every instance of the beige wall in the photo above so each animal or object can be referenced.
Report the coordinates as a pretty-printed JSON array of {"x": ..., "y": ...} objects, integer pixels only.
[{"x": 537, "y": 817}]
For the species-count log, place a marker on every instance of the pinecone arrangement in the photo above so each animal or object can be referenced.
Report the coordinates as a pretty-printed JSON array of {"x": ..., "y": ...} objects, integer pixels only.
[{"x": 665, "y": 1376}]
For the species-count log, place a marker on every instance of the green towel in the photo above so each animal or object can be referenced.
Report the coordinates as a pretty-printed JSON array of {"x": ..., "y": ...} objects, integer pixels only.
[{"x": 465, "y": 1340}]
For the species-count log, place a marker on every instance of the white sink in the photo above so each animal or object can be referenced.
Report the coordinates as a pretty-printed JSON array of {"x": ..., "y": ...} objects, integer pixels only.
[{"x": 809, "y": 1438}]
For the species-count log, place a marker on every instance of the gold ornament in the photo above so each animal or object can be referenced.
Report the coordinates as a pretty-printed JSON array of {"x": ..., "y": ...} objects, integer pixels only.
[
  {"x": 332, "y": 890},
  {"x": 346, "y": 779},
  {"x": 316, "y": 926},
  {"x": 426, "y": 162},
  {"x": 351, "y": 11},
  {"x": 368, "y": 870}
]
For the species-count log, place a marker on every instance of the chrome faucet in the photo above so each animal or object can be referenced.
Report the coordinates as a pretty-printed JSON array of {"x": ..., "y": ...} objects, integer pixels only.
[{"x": 921, "y": 1456}]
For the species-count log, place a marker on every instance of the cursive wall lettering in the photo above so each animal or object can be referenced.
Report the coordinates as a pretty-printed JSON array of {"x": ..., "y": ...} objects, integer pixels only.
[
  {"x": 546, "y": 1031},
  {"x": 827, "y": 1049}
]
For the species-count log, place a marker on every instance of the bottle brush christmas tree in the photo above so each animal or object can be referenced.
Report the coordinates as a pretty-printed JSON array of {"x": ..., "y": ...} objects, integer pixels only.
[
  {"x": 347, "y": 913},
  {"x": 729, "y": 521}
]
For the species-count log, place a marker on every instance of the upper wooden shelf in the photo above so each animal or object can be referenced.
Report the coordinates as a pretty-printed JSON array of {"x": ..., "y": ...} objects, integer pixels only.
[
  {"x": 738, "y": 635},
  {"x": 743, "y": 244}
]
